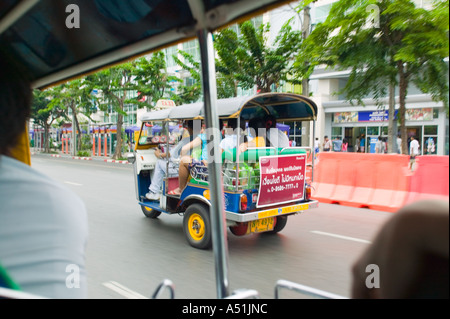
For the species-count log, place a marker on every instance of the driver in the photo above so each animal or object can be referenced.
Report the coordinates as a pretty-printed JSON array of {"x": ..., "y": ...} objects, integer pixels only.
[{"x": 161, "y": 165}]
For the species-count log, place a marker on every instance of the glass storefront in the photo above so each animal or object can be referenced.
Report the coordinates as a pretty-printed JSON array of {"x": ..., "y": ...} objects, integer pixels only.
[{"x": 362, "y": 129}]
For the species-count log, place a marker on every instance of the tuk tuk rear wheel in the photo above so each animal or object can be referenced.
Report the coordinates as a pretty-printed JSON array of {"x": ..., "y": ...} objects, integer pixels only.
[
  {"x": 149, "y": 212},
  {"x": 280, "y": 223},
  {"x": 197, "y": 226}
]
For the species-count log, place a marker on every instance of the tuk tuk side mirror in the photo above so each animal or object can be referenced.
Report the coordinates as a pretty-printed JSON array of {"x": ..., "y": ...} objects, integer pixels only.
[{"x": 131, "y": 158}]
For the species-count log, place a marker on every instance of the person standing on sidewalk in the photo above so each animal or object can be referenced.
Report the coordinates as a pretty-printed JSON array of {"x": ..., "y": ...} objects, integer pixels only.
[
  {"x": 326, "y": 144},
  {"x": 413, "y": 151},
  {"x": 337, "y": 145}
]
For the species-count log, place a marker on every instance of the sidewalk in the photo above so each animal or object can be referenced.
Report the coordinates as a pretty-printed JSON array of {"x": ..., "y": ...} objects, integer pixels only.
[{"x": 91, "y": 158}]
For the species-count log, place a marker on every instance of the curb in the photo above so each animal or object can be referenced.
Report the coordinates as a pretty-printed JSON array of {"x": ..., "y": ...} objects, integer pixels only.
[
  {"x": 85, "y": 158},
  {"x": 116, "y": 161}
]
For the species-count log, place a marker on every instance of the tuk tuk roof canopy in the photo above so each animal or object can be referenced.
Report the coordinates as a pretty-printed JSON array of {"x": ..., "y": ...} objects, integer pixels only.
[
  {"x": 64, "y": 39},
  {"x": 284, "y": 106}
]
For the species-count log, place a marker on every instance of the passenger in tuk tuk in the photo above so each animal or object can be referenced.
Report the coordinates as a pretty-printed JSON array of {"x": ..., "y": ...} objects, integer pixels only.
[
  {"x": 161, "y": 165},
  {"x": 230, "y": 140},
  {"x": 275, "y": 137},
  {"x": 257, "y": 130},
  {"x": 43, "y": 228},
  {"x": 187, "y": 161}
]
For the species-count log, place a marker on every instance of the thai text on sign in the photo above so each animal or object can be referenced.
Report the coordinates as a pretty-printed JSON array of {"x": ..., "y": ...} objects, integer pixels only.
[{"x": 282, "y": 179}]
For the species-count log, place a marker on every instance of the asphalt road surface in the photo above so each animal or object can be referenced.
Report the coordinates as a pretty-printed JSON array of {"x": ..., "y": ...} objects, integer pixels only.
[{"x": 129, "y": 255}]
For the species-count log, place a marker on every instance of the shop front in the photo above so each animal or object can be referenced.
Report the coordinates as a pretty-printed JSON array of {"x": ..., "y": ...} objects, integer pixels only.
[{"x": 362, "y": 128}]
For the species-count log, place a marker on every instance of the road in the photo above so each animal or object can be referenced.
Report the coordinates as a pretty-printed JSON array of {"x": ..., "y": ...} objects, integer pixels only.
[{"x": 128, "y": 255}]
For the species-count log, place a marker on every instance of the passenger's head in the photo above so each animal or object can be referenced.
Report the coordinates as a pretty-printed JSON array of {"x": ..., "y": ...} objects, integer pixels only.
[
  {"x": 257, "y": 125},
  {"x": 189, "y": 125},
  {"x": 232, "y": 124},
  {"x": 270, "y": 121},
  {"x": 15, "y": 101}
]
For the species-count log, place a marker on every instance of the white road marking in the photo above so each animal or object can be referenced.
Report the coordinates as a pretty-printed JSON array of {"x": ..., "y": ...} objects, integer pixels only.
[
  {"x": 122, "y": 290},
  {"x": 341, "y": 237},
  {"x": 72, "y": 183}
]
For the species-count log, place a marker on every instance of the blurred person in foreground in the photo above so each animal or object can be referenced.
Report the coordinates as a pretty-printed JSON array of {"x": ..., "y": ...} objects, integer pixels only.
[
  {"x": 411, "y": 252},
  {"x": 43, "y": 225}
]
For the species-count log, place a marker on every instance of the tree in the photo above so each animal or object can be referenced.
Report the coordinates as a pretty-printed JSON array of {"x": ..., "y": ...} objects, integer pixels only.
[
  {"x": 73, "y": 95},
  {"x": 188, "y": 93},
  {"x": 192, "y": 93},
  {"x": 384, "y": 43},
  {"x": 44, "y": 113},
  {"x": 250, "y": 60},
  {"x": 151, "y": 80},
  {"x": 114, "y": 84}
]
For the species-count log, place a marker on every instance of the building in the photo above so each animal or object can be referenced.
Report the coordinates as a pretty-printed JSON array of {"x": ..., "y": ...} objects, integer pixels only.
[{"x": 338, "y": 118}]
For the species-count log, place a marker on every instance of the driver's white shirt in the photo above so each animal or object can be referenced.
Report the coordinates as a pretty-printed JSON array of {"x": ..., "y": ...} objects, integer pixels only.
[{"x": 43, "y": 233}]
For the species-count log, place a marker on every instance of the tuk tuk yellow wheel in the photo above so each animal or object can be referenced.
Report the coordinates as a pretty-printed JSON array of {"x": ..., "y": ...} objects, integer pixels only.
[
  {"x": 197, "y": 226},
  {"x": 149, "y": 212}
]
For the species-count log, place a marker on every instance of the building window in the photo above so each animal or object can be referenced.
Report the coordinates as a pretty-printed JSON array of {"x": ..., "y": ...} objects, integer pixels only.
[
  {"x": 170, "y": 52},
  {"x": 430, "y": 139},
  {"x": 373, "y": 130},
  {"x": 336, "y": 132},
  {"x": 193, "y": 49},
  {"x": 321, "y": 13}
]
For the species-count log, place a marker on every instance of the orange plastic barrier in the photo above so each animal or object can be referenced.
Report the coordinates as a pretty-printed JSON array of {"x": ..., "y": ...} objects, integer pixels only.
[
  {"x": 345, "y": 178},
  {"x": 325, "y": 179},
  {"x": 376, "y": 181},
  {"x": 430, "y": 179},
  {"x": 391, "y": 183}
]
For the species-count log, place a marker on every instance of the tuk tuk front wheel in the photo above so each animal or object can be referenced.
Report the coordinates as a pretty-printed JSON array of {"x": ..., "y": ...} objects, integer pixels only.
[
  {"x": 149, "y": 212},
  {"x": 197, "y": 226}
]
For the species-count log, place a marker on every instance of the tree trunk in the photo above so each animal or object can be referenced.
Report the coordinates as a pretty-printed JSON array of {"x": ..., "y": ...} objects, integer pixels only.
[
  {"x": 392, "y": 141},
  {"x": 46, "y": 138},
  {"x": 403, "y": 86},
  {"x": 306, "y": 27},
  {"x": 118, "y": 150},
  {"x": 75, "y": 128}
]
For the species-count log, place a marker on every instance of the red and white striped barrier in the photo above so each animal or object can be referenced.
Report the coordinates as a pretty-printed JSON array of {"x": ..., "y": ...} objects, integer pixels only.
[
  {"x": 116, "y": 161},
  {"x": 82, "y": 158}
]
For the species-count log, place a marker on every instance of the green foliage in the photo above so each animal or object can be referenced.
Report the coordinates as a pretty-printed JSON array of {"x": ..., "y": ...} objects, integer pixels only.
[
  {"x": 398, "y": 45},
  {"x": 250, "y": 61},
  {"x": 188, "y": 93},
  {"x": 83, "y": 153},
  {"x": 151, "y": 80}
]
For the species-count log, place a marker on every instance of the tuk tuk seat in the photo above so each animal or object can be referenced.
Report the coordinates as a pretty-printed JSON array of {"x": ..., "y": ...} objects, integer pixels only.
[
  {"x": 291, "y": 151},
  {"x": 251, "y": 154}
]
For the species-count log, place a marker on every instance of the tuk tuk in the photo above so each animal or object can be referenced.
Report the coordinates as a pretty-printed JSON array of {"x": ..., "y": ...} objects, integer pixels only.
[
  {"x": 261, "y": 186},
  {"x": 56, "y": 41}
]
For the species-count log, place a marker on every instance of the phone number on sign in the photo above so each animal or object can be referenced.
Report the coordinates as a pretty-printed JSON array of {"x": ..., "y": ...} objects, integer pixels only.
[{"x": 281, "y": 188}]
